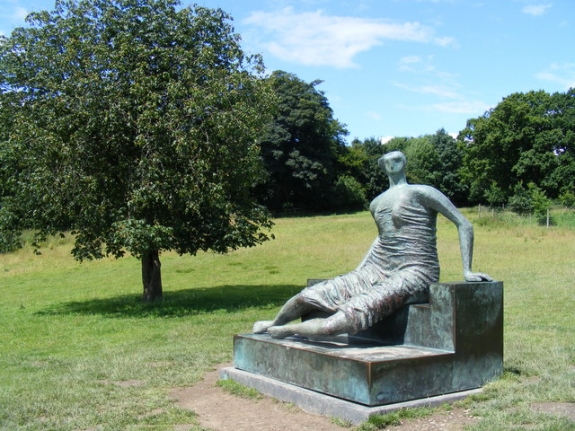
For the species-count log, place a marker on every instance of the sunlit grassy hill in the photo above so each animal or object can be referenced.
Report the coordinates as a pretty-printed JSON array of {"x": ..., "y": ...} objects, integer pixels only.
[{"x": 70, "y": 330}]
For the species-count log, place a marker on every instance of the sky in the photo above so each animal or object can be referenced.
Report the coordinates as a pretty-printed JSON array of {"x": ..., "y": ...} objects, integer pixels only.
[{"x": 393, "y": 68}]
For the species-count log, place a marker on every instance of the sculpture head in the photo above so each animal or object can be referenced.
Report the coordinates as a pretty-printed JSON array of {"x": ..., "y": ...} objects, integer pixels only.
[{"x": 393, "y": 163}]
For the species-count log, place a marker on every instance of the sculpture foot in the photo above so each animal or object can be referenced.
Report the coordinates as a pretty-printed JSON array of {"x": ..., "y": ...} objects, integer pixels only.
[
  {"x": 281, "y": 331},
  {"x": 262, "y": 326}
]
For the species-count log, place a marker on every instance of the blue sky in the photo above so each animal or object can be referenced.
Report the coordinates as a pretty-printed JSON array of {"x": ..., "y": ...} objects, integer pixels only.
[{"x": 400, "y": 67}]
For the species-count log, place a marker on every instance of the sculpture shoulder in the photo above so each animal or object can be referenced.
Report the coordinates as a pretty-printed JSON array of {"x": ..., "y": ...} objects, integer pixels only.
[
  {"x": 426, "y": 192},
  {"x": 431, "y": 198},
  {"x": 407, "y": 190},
  {"x": 423, "y": 194}
]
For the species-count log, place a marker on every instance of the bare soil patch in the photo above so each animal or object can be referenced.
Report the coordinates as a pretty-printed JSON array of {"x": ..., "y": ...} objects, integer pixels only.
[{"x": 218, "y": 410}]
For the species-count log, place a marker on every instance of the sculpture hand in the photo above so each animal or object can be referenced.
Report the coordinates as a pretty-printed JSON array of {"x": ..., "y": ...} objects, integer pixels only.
[{"x": 477, "y": 276}]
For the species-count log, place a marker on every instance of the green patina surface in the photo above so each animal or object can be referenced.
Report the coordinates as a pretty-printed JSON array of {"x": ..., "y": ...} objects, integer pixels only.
[{"x": 451, "y": 344}]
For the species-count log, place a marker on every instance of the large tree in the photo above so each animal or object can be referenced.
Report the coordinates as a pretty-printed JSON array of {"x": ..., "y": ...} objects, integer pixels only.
[
  {"x": 447, "y": 175},
  {"x": 133, "y": 124},
  {"x": 526, "y": 138},
  {"x": 361, "y": 161},
  {"x": 301, "y": 146}
]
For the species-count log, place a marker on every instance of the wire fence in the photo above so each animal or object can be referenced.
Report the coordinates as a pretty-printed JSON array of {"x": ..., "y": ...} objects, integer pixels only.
[{"x": 554, "y": 216}]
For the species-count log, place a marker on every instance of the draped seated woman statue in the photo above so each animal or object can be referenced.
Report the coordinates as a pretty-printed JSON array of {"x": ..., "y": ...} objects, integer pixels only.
[{"x": 397, "y": 270}]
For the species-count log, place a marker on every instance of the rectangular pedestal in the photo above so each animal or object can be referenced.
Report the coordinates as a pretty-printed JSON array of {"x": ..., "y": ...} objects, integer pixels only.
[
  {"x": 371, "y": 376},
  {"x": 453, "y": 343}
]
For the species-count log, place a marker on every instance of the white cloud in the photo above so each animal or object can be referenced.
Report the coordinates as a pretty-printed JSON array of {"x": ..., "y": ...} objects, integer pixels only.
[
  {"x": 374, "y": 116},
  {"x": 536, "y": 9},
  {"x": 419, "y": 65},
  {"x": 314, "y": 38},
  {"x": 20, "y": 13},
  {"x": 461, "y": 107},
  {"x": 13, "y": 12},
  {"x": 437, "y": 90},
  {"x": 430, "y": 80},
  {"x": 12, "y": 15},
  {"x": 410, "y": 59},
  {"x": 562, "y": 74},
  {"x": 410, "y": 63}
]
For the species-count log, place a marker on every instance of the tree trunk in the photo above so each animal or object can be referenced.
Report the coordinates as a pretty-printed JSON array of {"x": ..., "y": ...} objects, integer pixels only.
[{"x": 152, "y": 275}]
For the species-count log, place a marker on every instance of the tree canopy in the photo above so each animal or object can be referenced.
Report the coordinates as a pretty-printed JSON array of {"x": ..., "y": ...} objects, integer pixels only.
[
  {"x": 360, "y": 160},
  {"x": 431, "y": 159},
  {"x": 527, "y": 138},
  {"x": 300, "y": 147},
  {"x": 133, "y": 124}
]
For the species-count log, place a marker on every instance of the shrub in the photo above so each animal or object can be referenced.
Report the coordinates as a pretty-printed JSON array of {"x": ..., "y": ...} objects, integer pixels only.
[
  {"x": 349, "y": 194},
  {"x": 530, "y": 201}
]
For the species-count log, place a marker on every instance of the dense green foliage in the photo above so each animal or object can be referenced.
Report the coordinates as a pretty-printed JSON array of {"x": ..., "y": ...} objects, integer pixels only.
[
  {"x": 527, "y": 138},
  {"x": 300, "y": 148},
  {"x": 360, "y": 161},
  {"x": 434, "y": 160},
  {"x": 431, "y": 159},
  {"x": 520, "y": 153},
  {"x": 132, "y": 123}
]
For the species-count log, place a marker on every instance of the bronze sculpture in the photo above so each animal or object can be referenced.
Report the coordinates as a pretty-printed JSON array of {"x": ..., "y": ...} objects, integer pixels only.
[{"x": 397, "y": 270}]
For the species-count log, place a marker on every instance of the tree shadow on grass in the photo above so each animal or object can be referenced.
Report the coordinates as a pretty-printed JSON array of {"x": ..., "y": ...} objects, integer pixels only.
[{"x": 179, "y": 303}]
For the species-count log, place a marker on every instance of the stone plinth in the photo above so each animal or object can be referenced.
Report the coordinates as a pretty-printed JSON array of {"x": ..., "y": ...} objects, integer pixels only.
[
  {"x": 453, "y": 343},
  {"x": 371, "y": 375}
]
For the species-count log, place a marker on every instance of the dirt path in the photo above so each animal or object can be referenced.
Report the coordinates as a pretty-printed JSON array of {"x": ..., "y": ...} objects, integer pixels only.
[{"x": 218, "y": 410}]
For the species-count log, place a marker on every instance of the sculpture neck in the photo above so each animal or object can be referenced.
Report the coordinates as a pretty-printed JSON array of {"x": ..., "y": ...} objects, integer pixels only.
[{"x": 397, "y": 180}]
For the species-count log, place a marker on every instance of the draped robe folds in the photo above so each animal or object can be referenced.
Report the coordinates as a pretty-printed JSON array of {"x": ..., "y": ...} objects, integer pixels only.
[{"x": 398, "y": 268}]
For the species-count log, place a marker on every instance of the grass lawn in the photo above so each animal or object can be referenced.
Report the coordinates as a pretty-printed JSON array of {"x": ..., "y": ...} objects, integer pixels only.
[{"x": 80, "y": 351}]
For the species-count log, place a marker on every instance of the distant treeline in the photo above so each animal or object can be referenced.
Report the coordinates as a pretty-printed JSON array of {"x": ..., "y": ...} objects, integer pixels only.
[{"x": 519, "y": 154}]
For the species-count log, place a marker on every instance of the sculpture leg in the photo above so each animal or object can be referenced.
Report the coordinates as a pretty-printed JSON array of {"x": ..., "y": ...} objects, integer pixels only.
[
  {"x": 293, "y": 309},
  {"x": 333, "y": 325}
]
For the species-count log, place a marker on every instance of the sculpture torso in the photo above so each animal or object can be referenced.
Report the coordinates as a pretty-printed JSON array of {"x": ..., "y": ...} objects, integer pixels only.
[
  {"x": 407, "y": 230},
  {"x": 399, "y": 267}
]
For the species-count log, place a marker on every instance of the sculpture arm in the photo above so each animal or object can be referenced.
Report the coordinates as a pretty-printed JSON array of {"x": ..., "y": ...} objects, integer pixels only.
[{"x": 465, "y": 231}]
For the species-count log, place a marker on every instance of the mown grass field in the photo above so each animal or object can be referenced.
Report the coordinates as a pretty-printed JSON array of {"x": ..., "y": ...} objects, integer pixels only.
[{"x": 80, "y": 351}]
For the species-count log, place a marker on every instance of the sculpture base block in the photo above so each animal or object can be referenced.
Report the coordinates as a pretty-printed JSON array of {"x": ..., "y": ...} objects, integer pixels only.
[
  {"x": 325, "y": 405},
  {"x": 450, "y": 345},
  {"x": 369, "y": 375}
]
